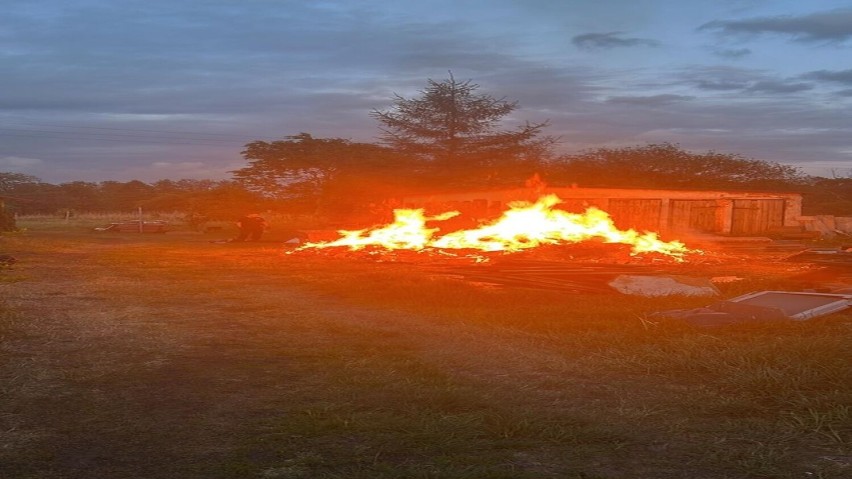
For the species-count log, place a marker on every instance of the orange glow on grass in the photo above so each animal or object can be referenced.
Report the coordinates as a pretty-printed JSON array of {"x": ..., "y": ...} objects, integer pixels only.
[{"x": 523, "y": 226}]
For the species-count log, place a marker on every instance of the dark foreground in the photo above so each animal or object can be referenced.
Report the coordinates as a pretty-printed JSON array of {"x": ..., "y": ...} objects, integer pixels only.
[{"x": 172, "y": 357}]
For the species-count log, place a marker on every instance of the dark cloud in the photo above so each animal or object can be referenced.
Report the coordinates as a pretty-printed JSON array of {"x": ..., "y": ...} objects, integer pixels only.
[
  {"x": 609, "y": 40},
  {"x": 733, "y": 52},
  {"x": 770, "y": 86},
  {"x": 720, "y": 85},
  {"x": 653, "y": 100},
  {"x": 831, "y": 26},
  {"x": 729, "y": 79},
  {"x": 723, "y": 78},
  {"x": 837, "y": 76}
]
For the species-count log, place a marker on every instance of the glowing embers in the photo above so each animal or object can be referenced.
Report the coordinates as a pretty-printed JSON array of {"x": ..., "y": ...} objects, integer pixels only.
[{"x": 525, "y": 225}]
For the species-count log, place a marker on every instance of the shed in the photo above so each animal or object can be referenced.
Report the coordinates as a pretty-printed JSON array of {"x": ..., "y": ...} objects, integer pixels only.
[{"x": 736, "y": 213}]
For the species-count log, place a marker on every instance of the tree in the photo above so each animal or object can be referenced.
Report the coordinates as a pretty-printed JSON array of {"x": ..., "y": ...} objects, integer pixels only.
[
  {"x": 198, "y": 198},
  {"x": 162, "y": 187},
  {"x": 204, "y": 200},
  {"x": 313, "y": 171},
  {"x": 666, "y": 165},
  {"x": 81, "y": 196},
  {"x": 828, "y": 196},
  {"x": 9, "y": 182},
  {"x": 29, "y": 194},
  {"x": 454, "y": 128},
  {"x": 125, "y": 196}
]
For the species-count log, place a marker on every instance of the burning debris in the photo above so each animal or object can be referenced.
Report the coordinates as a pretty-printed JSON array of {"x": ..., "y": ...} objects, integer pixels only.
[
  {"x": 525, "y": 225},
  {"x": 582, "y": 253}
]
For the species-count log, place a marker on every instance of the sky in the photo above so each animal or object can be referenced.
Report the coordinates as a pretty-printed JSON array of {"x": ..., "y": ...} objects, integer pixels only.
[{"x": 96, "y": 90}]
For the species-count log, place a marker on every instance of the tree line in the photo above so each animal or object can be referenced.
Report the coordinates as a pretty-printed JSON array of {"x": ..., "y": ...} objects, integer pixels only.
[{"x": 449, "y": 137}]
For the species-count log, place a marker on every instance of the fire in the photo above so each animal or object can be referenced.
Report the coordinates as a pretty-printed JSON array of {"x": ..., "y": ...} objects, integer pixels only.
[{"x": 525, "y": 225}]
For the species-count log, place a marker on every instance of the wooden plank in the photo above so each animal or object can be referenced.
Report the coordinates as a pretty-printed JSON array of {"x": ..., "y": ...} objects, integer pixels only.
[
  {"x": 635, "y": 213},
  {"x": 755, "y": 217},
  {"x": 693, "y": 215}
]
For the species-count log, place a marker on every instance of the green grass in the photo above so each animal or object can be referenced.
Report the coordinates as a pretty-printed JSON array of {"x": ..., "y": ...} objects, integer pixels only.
[{"x": 163, "y": 356}]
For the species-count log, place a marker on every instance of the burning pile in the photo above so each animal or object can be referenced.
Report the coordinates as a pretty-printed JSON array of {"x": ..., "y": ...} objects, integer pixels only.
[{"x": 525, "y": 225}]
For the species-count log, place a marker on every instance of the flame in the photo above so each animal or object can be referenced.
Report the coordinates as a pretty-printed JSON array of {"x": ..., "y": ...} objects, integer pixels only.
[{"x": 525, "y": 225}]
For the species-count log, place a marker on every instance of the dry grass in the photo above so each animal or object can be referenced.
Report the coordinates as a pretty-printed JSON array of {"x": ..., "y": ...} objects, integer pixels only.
[{"x": 163, "y": 356}]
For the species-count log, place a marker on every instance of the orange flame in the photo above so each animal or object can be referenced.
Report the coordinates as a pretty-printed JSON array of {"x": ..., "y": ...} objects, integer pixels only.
[{"x": 525, "y": 225}]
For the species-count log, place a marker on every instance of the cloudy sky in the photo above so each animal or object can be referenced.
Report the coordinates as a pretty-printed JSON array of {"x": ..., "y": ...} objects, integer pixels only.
[{"x": 153, "y": 89}]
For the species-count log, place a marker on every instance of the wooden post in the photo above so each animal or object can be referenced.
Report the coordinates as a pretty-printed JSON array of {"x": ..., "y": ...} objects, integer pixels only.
[{"x": 141, "y": 227}]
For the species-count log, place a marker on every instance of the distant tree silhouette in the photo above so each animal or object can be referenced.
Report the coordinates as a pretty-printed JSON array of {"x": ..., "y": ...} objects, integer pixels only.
[
  {"x": 828, "y": 196},
  {"x": 667, "y": 165},
  {"x": 81, "y": 196},
  {"x": 458, "y": 131},
  {"x": 204, "y": 200},
  {"x": 125, "y": 196},
  {"x": 10, "y": 182},
  {"x": 319, "y": 173},
  {"x": 29, "y": 194}
]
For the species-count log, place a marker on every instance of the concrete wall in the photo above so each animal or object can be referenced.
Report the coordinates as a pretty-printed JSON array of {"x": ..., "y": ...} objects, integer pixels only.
[{"x": 827, "y": 225}]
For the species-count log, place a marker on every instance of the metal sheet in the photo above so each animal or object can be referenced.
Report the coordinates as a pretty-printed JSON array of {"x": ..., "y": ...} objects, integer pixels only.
[{"x": 797, "y": 305}]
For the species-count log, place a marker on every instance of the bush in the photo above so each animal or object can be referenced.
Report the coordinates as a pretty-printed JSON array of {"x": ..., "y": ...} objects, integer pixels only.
[{"x": 7, "y": 221}]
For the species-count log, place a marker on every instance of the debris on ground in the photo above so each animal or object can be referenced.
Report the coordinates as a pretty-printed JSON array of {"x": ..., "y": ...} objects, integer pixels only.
[
  {"x": 824, "y": 269},
  {"x": 663, "y": 285},
  {"x": 763, "y": 306},
  {"x": 824, "y": 256}
]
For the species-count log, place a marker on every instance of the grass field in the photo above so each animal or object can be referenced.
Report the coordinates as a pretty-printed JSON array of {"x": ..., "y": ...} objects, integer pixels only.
[{"x": 171, "y": 356}]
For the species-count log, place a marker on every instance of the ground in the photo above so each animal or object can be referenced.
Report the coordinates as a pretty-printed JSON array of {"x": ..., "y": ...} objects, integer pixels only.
[{"x": 171, "y": 356}]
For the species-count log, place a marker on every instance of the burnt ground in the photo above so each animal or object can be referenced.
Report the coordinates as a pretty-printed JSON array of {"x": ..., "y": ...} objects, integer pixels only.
[{"x": 141, "y": 357}]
